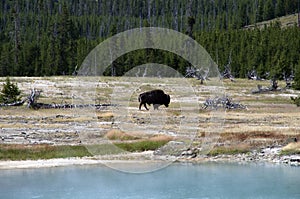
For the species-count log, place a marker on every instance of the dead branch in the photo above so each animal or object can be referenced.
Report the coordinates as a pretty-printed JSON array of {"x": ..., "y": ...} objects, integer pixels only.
[{"x": 222, "y": 102}]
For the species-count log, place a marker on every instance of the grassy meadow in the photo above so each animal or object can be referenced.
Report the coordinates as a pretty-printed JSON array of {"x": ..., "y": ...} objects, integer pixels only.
[{"x": 269, "y": 120}]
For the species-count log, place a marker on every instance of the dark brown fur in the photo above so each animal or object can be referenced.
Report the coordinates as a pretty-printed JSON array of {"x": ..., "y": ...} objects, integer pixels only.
[{"x": 155, "y": 97}]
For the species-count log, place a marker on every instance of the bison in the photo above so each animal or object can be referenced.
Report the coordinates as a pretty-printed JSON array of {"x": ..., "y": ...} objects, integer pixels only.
[{"x": 155, "y": 97}]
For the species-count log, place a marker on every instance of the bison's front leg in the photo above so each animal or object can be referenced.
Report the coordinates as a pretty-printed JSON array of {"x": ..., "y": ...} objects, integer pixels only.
[{"x": 146, "y": 107}]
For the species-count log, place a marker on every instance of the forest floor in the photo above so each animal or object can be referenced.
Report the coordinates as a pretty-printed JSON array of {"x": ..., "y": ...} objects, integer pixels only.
[{"x": 270, "y": 119}]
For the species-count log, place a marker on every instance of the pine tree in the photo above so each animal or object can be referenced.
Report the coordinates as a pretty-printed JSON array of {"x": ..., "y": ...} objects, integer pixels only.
[
  {"x": 66, "y": 36},
  {"x": 297, "y": 77},
  {"x": 279, "y": 9},
  {"x": 9, "y": 93},
  {"x": 269, "y": 10}
]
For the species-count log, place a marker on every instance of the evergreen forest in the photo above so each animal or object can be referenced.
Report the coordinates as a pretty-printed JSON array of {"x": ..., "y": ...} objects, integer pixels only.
[{"x": 52, "y": 37}]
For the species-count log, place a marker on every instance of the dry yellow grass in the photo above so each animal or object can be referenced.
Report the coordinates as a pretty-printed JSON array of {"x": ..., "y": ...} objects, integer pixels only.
[
  {"x": 161, "y": 138},
  {"x": 292, "y": 146},
  {"x": 119, "y": 135},
  {"x": 105, "y": 116},
  {"x": 116, "y": 134}
]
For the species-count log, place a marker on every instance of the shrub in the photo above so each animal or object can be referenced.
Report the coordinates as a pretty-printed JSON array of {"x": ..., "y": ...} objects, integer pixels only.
[
  {"x": 296, "y": 100},
  {"x": 9, "y": 93}
]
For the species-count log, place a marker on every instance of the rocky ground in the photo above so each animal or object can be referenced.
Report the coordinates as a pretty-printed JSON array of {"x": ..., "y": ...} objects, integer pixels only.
[{"x": 265, "y": 155}]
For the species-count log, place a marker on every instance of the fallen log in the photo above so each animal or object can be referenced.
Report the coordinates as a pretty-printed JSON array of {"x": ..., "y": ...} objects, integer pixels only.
[
  {"x": 19, "y": 103},
  {"x": 35, "y": 94},
  {"x": 222, "y": 102},
  {"x": 69, "y": 106}
]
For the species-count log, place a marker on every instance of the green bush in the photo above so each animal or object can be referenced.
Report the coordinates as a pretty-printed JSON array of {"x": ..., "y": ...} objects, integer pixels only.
[
  {"x": 227, "y": 151},
  {"x": 9, "y": 93}
]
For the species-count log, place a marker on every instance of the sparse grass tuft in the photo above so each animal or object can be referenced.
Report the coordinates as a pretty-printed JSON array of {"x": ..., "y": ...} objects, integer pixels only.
[
  {"x": 115, "y": 134},
  {"x": 159, "y": 138},
  {"x": 137, "y": 143},
  {"x": 228, "y": 151},
  {"x": 107, "y": 116}
]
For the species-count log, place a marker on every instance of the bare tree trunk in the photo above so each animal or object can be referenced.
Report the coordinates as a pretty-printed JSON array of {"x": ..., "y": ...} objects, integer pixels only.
[
  {"x": 175, "y": 15},
  {"x": 255, "y": 7},
  {"x": 226, "y": 16},
  {"x": 214, "y": 12},
  {"x": 33, "y": 97},
  {"x": 99, "y": 11},
  {"x": 154, "y": 16},
  {"x": 39, "y": 21},
  {"x": 181, "y": 18},
  {"x": 145, "y": 72},
  {"x": 60, "y": 8},
  {"x": 141, "y": 21},
  {"x": 17, "y": 39},
  {"x": 190, "y": 19},
  {"x": 149, "y": 12},
  {"x": 200, "y": 9},
  {"x": 163, "y": 16}
]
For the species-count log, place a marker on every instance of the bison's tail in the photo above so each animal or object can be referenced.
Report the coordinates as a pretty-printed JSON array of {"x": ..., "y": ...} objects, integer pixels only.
[{"x": 139, "y": 98}]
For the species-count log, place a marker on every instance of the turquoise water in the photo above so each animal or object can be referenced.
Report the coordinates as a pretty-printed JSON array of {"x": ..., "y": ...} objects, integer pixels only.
[{"x": 176, "y": 181}]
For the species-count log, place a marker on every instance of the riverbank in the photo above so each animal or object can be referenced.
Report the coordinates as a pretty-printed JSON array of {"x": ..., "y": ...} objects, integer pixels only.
[{"x": 268, "y": 155}]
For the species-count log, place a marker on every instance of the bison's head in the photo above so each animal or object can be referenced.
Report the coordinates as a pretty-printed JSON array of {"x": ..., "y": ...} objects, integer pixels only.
[{"x": 167, "y": 101}]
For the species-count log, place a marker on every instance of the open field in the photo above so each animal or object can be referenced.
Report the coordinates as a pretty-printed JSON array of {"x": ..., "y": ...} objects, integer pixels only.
[
  {"x": 285, "y": 21},
  {"x": 269, "y": 120}
]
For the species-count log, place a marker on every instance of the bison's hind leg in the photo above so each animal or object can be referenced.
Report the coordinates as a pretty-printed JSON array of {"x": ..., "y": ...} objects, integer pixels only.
[{"x": 155, "y": 106}]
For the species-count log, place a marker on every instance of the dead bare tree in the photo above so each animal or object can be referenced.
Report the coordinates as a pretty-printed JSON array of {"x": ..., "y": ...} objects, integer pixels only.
[
  {"x": 196, "y": 73},
  {"x": 33, "y": 97},
  {"x": 227, "y": 70},
  {"x": 253, "y": 75},
  {"x": 273, "y": 87},
  {"x": 288, "y": 79},
  {"x": 274, "y": 84}
]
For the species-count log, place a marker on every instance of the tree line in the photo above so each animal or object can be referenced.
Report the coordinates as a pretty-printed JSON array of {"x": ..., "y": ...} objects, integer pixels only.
[{"x": 52, "y": 37}]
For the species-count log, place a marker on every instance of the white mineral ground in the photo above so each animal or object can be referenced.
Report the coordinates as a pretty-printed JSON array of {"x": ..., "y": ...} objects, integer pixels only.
[{"x": 268, "y": 123}]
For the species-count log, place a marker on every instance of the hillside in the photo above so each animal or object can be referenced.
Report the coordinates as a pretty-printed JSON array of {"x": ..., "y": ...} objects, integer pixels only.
[
  {"x": 285, "y": 21},
  {"x": 45, "y": 38}
]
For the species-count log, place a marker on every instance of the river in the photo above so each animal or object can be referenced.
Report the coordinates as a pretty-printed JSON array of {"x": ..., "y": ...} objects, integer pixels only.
[{"x": 208, "y": 180}]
